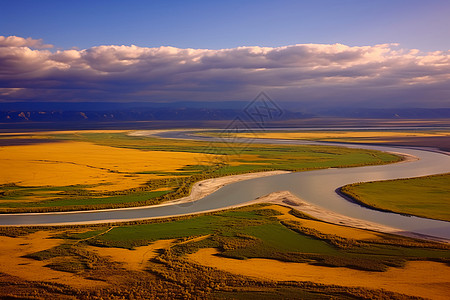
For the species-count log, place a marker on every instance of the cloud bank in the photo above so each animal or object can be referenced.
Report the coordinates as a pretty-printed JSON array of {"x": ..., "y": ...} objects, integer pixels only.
[{"x": 309, "y": 73}]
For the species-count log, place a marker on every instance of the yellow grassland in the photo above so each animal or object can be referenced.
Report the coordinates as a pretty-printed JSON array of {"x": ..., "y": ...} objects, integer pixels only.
[
  {"x": 195, "y": 239},
  {"x": 135, "y": 259},
  {"x": 417, "y": 278},
  {"x": 13, "y": 263},
  {"x": 326, "y": 228},
  {"x": 243, "y": 159},
  {"x": 73, "y": 163},
  {"x": 163, "y": 189},
  {"x": 339, "y": 134}
]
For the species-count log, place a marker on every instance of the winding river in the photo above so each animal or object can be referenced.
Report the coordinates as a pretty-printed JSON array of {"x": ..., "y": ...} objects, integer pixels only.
[{"x": 317, "y": 187}]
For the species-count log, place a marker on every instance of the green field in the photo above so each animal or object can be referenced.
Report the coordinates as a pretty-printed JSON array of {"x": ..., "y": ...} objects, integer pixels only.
[
  {"x": 427, "y": 197},
  {"x": 77, "y": 201},
  {"x": 284, "y": 239}
]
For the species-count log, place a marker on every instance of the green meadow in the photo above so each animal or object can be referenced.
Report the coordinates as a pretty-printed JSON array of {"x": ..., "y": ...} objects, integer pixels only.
[{"x": 427, "y": 197}]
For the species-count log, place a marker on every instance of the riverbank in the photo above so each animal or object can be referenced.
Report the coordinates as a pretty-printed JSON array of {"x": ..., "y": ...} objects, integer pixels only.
[
  {"x": 208, "y": 186},
  {"x": 426, "y": 197},
  {"x": 285, "y": 198}
]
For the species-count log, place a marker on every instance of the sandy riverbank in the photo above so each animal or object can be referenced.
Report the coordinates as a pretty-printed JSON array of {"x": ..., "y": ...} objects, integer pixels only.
[
  {"x": 208, "y": 186},
  {"x": 156, "y": 132},
  {"x": 285, "y": 198},
  {"x": 405, "y": 157}
]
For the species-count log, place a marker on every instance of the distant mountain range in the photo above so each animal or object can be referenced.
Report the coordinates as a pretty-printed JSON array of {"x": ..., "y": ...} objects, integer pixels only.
[
  {"x": 387, "y": 113},
  {"x": 97, "y": 112},
  {"x": 187, "y": 111}
]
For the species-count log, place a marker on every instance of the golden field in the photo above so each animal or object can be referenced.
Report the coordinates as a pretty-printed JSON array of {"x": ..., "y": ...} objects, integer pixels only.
[
  {"x": 83, "y": 163},
  {"x": 13, "y": 263},
  {"x": 323, "y": 135},
  {"x": 135, "y": 259},
  {"x": 417, "y": 278}
]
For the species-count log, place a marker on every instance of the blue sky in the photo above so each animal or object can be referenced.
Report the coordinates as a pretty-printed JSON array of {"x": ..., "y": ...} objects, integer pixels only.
[
  {"x": 424, "y": 25},
  {"x": 322, "y": 52}
]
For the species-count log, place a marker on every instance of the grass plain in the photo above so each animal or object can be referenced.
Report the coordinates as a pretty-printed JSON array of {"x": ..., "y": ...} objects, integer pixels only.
[{"x": 427, "y": 196}]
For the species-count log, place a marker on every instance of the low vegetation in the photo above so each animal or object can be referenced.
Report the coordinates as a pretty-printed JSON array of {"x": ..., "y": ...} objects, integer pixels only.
[{"x": 427, "y": 197}]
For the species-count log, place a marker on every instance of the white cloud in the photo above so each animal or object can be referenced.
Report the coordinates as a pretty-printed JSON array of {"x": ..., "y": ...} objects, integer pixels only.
[
  {"x": 297, "y": 72},
  {"x": 16, "y": 41}
]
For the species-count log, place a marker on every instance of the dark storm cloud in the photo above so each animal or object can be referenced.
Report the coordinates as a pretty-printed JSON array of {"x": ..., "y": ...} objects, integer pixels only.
[{"x": 307, "y": 72}]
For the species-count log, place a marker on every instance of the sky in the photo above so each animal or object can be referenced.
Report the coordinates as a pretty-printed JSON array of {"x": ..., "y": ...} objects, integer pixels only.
[{"x": 353, "y": 52}]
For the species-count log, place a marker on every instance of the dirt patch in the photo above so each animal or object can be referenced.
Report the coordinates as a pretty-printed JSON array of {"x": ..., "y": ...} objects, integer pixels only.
[{"x": 417, "y": 278}]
